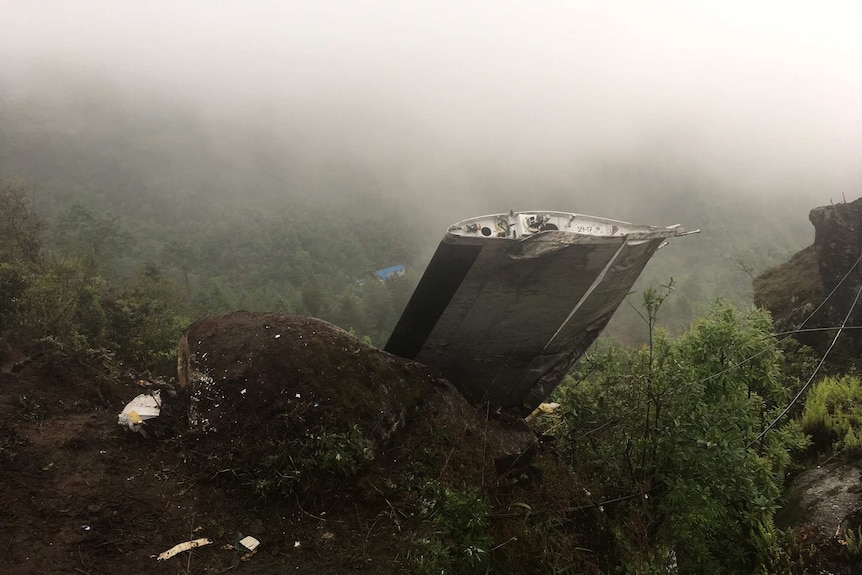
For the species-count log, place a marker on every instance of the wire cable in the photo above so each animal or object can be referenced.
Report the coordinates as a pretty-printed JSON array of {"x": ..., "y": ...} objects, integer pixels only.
[
  {"x": 813, "y": 329},
  {"x": 612, "y": 422},
  {"x": 763, "y": 433},
  {"x": 813, "y": 375}
]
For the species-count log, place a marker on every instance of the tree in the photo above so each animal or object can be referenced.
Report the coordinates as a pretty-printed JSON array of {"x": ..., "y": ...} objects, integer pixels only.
[
  {"x": 20, "y": 250},
  {"x": 20, "y": 225},
  {"x": 97, "y": 238},
  {"x": 145, "y": 322}
]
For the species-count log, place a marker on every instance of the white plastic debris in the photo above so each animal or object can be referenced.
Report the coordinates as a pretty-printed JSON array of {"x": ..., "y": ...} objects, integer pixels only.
[
  {"x": 140, "y": 409},
  {"x": 186, "y": 546},
  {"x": 544, "y": 408},
  {"x": 249, "y": 543},
  {"x": 549, "y": 407}
]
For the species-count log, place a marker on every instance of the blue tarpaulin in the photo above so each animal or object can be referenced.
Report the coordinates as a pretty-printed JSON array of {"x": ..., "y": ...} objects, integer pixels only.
[{"x": 391, "y": 272}]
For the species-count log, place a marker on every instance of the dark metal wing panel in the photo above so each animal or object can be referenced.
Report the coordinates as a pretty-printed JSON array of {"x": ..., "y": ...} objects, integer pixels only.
[
  {"x": 505, "y": 315},
  {"x": 443, "y": 277},
  {"x": 583, "y": 327},
  {"x": 509, "y": 303}
]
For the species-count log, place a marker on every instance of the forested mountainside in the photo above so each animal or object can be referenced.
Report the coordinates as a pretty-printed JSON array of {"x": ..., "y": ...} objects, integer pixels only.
[
  {"x": 246, "y": 214},
  {"x": 123, "y": 191}
]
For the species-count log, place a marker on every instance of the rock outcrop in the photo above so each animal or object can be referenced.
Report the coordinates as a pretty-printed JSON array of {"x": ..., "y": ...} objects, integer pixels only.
[
  {"x": 793, "y": 291},
  {"x": 824, "y": 500},
  {"x": 824, "y": 505}
]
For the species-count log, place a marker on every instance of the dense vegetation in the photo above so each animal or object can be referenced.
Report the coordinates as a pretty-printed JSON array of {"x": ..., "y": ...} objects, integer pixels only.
[
  {"x": 674, "y": 429},
  {"x": 118, "y": 228},
  {"x": 833, "y": 413}
]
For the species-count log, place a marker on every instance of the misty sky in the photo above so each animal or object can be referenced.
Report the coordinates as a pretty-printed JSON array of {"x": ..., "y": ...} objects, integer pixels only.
[{"x": 769, "y": 91}]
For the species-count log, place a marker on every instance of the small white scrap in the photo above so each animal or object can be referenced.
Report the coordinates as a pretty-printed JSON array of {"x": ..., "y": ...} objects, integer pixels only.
[
  {"x": 296, "y": 544},
  {"x": 140, "y": 409},
  {"x": 249, "y": 543},
  {"x": 187, "y": 546},
  {"x": 544, "y": 408}
]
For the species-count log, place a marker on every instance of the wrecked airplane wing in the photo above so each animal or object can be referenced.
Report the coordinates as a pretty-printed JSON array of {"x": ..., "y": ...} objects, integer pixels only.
[{"x": 510, "y": 302}]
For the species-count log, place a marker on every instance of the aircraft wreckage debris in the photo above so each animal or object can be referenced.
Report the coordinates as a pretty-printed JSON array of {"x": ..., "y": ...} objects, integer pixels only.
[{"x": 510, "y": 302}]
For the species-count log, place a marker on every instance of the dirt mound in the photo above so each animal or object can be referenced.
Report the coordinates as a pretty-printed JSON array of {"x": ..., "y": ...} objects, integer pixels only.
[
  {"x": 295, "y": 405},
  {"x": 378, "y": 465}
]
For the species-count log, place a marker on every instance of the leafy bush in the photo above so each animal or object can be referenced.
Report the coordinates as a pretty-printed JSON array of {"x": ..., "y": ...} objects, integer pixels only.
[
  {"x": 62, "y": 302},
  {"x": 853, "y": 541},
  {"x": 20, "y": 225},
  {"x": 145, "y": 322},
  {"x": 458, "y": 541},
  {"x": 673, "y": 429},
  {"x": 13, "y": 284}
]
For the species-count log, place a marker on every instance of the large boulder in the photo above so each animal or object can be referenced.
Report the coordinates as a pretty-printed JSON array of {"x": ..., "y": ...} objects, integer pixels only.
[
  {"x": 293, "y": 404},
  {"x": 838, "y": 241},
  {"x": 824, "y": 504}
]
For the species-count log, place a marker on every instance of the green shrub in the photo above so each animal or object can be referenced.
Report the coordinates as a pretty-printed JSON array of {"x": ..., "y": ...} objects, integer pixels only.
[
  {"x": 853, "y": 541},
  {"x": 144, "y": 322},
  {"x": 13, "y": 285},
  {"x": 61, "y": 301},
  {"x": 833, "y": 412},
  {"x": 299, "y": 463},
  {"x": 672, "y": 429},
  {"x": 458, "y": 540}
]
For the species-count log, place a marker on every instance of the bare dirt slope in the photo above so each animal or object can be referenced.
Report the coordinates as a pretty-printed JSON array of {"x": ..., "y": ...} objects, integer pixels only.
[{"x": 81, "y": 494}]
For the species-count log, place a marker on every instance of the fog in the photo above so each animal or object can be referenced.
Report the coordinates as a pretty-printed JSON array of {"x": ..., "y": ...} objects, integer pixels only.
[{"x": 490, "y": 105}]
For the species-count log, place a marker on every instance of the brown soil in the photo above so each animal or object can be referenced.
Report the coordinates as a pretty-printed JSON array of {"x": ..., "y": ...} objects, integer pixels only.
[
  {"x": 81, "y": 494},
  {"x": 791, "y": 285}
]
